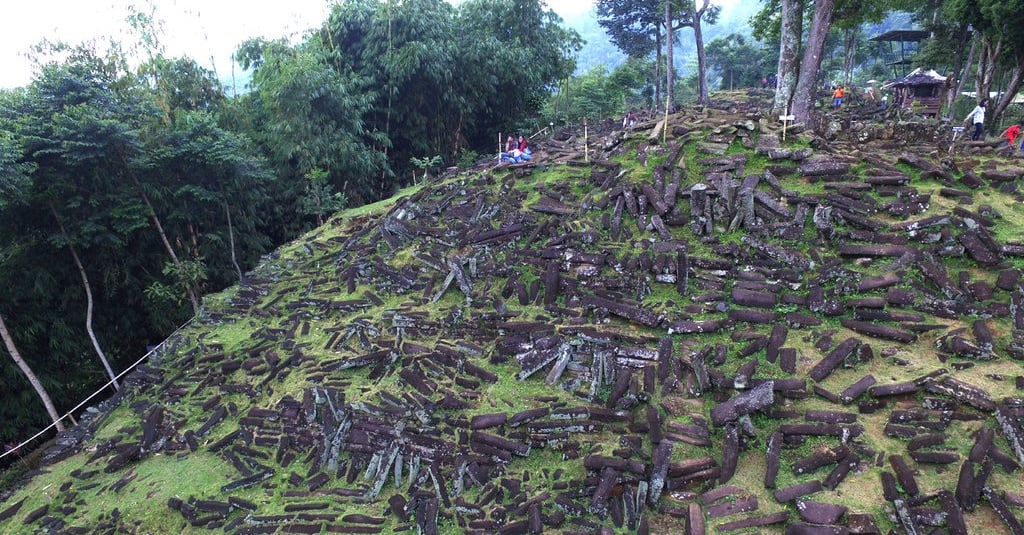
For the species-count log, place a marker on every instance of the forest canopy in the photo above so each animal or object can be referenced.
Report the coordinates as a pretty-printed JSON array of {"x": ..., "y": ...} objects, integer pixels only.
[{"x": 131, "y": 185}]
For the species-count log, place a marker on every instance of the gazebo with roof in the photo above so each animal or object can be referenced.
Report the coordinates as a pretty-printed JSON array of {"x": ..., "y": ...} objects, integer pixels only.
[{"x": 899, "y": 48}]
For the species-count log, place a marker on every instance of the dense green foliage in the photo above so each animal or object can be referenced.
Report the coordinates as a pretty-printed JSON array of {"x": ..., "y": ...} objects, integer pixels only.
[
  {"x": 598, "y": 94},
  {"x": 94, "y": 158},
  {"x": 163, "y": 189},
  {"x": 739, "y": 61}
]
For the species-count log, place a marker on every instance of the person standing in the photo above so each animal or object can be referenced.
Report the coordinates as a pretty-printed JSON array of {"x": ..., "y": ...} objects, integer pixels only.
[
  {"x": 977, "y": 116},
  {"x": 837, "y": 97}
]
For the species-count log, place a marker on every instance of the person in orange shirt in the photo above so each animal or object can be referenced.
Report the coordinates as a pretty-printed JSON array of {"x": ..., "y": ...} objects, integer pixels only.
[
  {"x": 1013, "y": 132},
  {"x": 837, "y": 97}
]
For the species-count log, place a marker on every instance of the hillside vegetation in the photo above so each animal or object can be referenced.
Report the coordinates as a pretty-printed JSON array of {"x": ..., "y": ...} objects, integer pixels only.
[{"x": 682, "y": 325}]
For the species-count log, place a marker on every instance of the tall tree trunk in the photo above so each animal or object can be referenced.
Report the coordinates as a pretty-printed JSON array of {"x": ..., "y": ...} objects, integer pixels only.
[
  {"x": 849, "y": 55},
  {"x": 670, "y": 68},
  {"x": 806, "y": 85},
  {"x": 951, "y": 98},
  {"x": 657, "y": 72},
  {"x": 13, "y": 350},
  {"x": 167, "y": 243},
  {"x": 789, "y": 54},
  {"x": 698, "y": 40},
  {"x": 987, "y": 65},
  {"x": 163, "y": 235},
  {"x": 231, "y": 240},
  {"x": 1012, "y": 87},
  {"x": 88, "y": 301},
  {"x": 390, "y": 90}
]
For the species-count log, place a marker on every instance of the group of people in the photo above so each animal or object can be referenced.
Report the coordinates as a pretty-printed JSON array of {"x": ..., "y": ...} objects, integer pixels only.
[
  {"x": 629, "y": 119},
  {"x": 977, "y": 118},
  {"x": 872, "y": 95},
  {"x": 770, "y": 81},
  {"x": 516, "y": 150}
]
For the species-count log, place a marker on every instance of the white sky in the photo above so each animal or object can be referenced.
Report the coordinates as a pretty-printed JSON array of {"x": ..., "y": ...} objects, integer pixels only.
[{"x": 200, "y": 29}]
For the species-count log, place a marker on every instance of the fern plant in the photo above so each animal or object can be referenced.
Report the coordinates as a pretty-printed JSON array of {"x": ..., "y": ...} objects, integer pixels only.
[{"x": 425, "y": 164}]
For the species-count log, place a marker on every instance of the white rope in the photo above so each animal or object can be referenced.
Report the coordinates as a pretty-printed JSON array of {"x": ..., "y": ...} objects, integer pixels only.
[{"x": 94, "y": 394}]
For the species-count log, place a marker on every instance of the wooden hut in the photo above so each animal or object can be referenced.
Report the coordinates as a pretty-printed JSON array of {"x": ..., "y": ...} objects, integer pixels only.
[{"x": 920, "y": 89}]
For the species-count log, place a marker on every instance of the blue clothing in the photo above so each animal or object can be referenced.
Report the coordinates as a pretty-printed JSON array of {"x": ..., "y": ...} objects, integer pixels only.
[{"x": 516, "y": 156}]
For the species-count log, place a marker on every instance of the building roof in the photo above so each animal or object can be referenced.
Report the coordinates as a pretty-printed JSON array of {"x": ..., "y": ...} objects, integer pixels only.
[
  {"x": 919, "y": 76},
  {"x": 902, "y": 35}
]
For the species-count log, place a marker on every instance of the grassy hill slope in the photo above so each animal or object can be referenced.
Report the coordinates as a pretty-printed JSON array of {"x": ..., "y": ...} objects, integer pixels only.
[{"x": 623, "y": 342}]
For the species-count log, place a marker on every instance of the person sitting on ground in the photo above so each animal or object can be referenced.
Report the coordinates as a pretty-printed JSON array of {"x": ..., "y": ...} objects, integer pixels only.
[
  {"x": 511, "y": 152},
  {"x": 1013, "y": 132},
  {"x": 524, "y": 149}
]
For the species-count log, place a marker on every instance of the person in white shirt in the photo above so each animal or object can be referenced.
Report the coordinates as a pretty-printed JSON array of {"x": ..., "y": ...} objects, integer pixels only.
[{"x": 977, "y": 116}]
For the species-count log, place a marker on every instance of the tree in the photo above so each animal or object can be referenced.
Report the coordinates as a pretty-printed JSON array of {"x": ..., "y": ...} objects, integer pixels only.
[
  {"x": 950, "y": 48},
  {"x": 999, "y": 32},
  {"x": 639, "y": 28},
  {"x": 738, "y": 62},
  {"x": 800, "y": 63},
  {"x": 516, "y": 52},
  {"x": 13, "y": 182},
  {"x": 594, "y": 96},
  {"x": 91, "y": 118},
  {"x": 89, "y": 300},
  {"x": 597, "y": 94},
  {"x": 66, "y": 143},
  {"x": 12, "y": 350},
  {"x": 804, "y": 95},
  {"x": 320, "y": 200},
  {"x": 508, "y": 54},
  {"x": 102, "y": 165},
  {"x": 670, "y": 45},
  {"x": 850, "y": 17},
  {"x": 789, "y": 30},
  {"x": 692, "y": 18},
  {"x": 636, "y": 28},
  {"x": 313, "y": 116}
]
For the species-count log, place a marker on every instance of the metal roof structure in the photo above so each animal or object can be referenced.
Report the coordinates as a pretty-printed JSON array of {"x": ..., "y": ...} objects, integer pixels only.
[
  {"x": 918, "y": 77},
  {"x": 903, "y": 48}
]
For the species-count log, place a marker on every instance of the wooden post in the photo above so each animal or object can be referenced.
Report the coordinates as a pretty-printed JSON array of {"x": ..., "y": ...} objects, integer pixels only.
[
  {"x": 786, "y": 119},
  {"x": 501, "y": 149},
  {"x": 664, "y": 131},
  {"x": 586, "y": 142},
  {"x": 542, "y": 130},
  {"x": 956, "y": 130}
]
